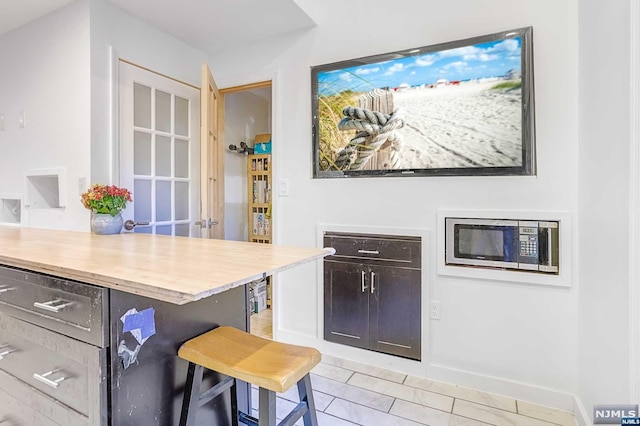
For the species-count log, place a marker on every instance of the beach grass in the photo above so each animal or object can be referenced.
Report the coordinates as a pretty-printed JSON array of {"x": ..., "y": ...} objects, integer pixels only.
[
  {"x": 331, "y": 138},
  {"x": 508, "y": 85}
]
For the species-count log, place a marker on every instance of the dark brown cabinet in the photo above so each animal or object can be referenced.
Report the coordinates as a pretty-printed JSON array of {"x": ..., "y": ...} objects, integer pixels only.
[{"x": 372, "y": 293}]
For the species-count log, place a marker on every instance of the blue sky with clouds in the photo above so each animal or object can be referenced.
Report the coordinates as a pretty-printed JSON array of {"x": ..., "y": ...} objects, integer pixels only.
[{"x": 481, "y": 60}]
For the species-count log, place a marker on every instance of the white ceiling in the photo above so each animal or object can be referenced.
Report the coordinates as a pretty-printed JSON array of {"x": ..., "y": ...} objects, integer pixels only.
[
  {"x": 15, "y": 13},
  {"x": 212, "y": 25},
  {"x": 209, "y": 25}
]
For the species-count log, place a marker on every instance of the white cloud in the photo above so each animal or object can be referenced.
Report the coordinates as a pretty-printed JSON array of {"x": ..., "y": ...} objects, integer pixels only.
[
  {"x": 345, "y": 76},
  {"x": 426, "y": 60},
  {"x": 365, "y": 71},
  {"x": 394, "y": 69},
  {"x": 460, "y": 51},
  {"x": 509, "y": 45},
  {"x": 457, "y": 65}
]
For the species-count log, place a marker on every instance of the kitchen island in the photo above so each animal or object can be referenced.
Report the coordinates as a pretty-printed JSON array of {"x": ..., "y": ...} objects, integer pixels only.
[{"x": 90, "y": 324}]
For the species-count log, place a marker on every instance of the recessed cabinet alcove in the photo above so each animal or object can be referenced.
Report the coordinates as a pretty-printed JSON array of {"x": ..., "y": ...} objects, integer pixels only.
[
  {"x": 10, "y": 209},
  {"x": 372, "y": 292},
  {"x": 45, "y": 189}
]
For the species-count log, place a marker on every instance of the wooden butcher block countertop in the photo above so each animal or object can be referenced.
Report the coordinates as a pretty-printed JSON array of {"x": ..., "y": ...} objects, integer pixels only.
[{"x": 173, "y": 269}]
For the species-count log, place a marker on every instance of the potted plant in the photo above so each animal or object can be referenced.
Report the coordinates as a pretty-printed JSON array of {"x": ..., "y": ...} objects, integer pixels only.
[{"x": 106, "y": 202}]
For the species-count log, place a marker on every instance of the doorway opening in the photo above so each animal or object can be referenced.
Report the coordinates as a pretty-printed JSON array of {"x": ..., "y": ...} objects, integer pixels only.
[{"x": 248, "y": 183}]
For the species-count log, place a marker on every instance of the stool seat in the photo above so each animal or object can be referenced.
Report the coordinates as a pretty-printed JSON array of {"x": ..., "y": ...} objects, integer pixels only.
[{"x": 271, "y": 365}]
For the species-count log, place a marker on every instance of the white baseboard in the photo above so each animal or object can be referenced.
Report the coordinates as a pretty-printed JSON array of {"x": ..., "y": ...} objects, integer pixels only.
[
  {"x": 513, "y": 389},
  {"x": 582, "y": 416},
  {"x": 501, "y": 386}
]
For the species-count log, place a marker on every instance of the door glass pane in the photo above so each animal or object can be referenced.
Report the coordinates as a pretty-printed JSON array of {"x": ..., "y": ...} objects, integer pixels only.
[
  {"x": 141, "y": 153},
  {"x": 182, "y": 230},
  {"x": 163, "y": 111},
  {"x": 141, "y": 106},
  {"x": 163, "y": 156},
  {"x": 182, "y": 158},
  {"x": 143, "y": 229},
  {"x": 142, "y": 197},
  {"x": 182, "y": 116},
  {"x": 163, "y": 201},
  {"x": 182, "y": 200},
  {"x": 163, "y": 230}
]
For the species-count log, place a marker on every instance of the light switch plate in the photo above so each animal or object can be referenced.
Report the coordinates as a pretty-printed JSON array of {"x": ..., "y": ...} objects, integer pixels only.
[{"x": 283, "y": 188}]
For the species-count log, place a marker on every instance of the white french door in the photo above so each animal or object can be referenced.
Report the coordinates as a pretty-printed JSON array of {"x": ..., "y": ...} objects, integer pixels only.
[{"x": 160, "y": 152}]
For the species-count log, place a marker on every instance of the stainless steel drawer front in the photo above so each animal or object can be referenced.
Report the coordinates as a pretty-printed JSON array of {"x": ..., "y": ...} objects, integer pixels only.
[
  {"x": 68, "y": 307},
  {"x": 61, "y": 367}
]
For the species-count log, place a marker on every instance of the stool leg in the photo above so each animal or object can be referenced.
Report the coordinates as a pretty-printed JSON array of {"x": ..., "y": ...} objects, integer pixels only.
[
  {"x": 267, "y": 408},
  {"x": 234, "y": 403},
  {"x": 191, "y": 395},
  {"x": 306, "y": 394}
]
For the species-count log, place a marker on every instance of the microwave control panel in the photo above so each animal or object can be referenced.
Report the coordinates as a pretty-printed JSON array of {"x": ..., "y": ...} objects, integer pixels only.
[{"x": 529, "y": 242}]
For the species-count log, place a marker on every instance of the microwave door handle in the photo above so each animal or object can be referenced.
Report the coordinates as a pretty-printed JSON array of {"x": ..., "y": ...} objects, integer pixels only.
[{"x": 551, "y": 247}]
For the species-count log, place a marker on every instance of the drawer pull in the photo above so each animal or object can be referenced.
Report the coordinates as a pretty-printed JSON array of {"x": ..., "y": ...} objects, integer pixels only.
[
  {"x": 373, "y": 282},
  {"x": 52, "y": 305},
  {"x": 368, "y": 252},
  {"x": 44, "y": 378},
  {"x": 4, "y": 289},
  {"x": 5, "y": 350}
]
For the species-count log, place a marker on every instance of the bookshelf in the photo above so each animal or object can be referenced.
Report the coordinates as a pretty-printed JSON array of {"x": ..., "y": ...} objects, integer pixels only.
[{"x": 259, "y": 172}]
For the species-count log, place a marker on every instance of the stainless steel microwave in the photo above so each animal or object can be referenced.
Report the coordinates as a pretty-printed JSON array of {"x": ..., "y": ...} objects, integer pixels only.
[{"x": 528, "y": 245}]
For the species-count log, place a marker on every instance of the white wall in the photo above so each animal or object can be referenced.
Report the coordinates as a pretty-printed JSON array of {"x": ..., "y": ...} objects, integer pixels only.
[
  {"x": 45, "y": 73},
  {"x": 246, "y": 115},
  {"x": 142, "y": 44},
  {"x": 604, "y": 203},
  {"x": 492, "y": 334}
]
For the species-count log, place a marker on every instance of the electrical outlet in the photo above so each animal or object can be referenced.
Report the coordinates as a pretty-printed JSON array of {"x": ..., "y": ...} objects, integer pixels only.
[{"x": 434, "y": 310}]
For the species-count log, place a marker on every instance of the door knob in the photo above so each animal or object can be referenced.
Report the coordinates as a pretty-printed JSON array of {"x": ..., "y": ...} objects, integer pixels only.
[{"x": 129, "y": 224}]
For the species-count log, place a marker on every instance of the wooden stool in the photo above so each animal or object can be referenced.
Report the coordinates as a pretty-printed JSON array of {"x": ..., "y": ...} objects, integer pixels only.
[{"x": 272, "y": 366}]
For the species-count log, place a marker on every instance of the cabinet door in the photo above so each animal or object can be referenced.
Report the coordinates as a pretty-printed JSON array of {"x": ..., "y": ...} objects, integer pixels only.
[
  {"x": 395, "y": 311},
  {"x": 346, "y": 304}
]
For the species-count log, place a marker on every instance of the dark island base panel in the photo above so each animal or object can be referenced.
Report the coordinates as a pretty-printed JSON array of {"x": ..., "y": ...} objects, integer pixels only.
[{"x": 149, "y": 391}]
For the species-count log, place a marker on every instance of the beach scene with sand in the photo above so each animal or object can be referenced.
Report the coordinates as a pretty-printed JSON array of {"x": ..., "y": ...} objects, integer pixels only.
[{"x": 456, "y": 108}]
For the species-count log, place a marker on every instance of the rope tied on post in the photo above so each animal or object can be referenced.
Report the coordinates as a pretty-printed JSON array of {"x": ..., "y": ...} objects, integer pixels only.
[{"x": 374, "y": 129}]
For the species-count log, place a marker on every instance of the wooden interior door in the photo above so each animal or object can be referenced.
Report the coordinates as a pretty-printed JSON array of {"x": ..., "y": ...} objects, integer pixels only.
[{"x": 212, "y": 157}]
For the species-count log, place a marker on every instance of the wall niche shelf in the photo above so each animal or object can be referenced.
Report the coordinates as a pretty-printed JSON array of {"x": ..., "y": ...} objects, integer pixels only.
[
  {"x": 10, "y": 209},
  {"x": 45, "y": 189}
]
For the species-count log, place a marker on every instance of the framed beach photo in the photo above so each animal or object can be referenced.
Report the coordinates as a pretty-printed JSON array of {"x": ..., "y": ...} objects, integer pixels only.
[{"x": 459, "y": 108}]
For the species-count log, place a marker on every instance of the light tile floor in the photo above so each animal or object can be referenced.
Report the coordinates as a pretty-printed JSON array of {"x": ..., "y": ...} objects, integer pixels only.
[{"x": 348, "y": 393}]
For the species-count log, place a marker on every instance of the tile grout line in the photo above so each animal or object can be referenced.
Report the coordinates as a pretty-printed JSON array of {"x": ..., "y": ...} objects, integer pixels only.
[
  {"x": 517, "y": 408},
  {"x": 447, "y": 395}
]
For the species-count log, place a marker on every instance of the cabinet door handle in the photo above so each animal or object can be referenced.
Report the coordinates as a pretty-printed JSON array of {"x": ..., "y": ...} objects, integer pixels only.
[
  {"x": 368, "y": 252},
  {"x": 4, "y": 289},
  {"x": 5, "y": 350},
  {"x": 362, "y": 281},
  {"x": 44, "y": 378},
  {"x": 53, "y": 305},
  {"x": 373, "y": 282}
]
